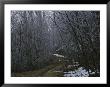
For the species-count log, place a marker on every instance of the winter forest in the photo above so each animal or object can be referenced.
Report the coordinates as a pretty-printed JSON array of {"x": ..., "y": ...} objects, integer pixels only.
[{"x": 50, "y": 43}]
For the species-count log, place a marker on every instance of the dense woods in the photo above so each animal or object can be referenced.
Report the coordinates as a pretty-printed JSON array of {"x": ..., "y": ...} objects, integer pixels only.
[{"x": 44, "y": 39}]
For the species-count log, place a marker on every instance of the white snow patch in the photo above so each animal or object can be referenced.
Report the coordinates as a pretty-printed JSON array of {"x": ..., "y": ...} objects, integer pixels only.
[
  {"x": 92, "y": 73},
  {"x": 58, "y": 55},
  {"x": 80, "y": 72}
]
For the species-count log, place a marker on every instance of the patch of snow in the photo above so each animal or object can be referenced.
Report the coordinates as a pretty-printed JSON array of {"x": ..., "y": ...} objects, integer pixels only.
[
  {"x": 92, "y": 73},
  {"x": 80, "y": 72},
  {"x": 76, "y": 65},
  {"x": 58, "y": 55}
]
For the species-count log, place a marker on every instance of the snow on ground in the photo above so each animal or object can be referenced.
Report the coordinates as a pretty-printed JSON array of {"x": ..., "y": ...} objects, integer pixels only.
[
  {"x": 80, "y": 72},
  {"x": 58, "y": 55}
]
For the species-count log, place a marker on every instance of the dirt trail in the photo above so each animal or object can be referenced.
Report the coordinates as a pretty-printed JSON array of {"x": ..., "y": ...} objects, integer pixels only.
[{"x": 36, "y": 73}]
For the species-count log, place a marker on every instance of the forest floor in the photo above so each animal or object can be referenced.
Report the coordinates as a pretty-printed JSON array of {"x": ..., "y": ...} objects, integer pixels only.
[
  {"x": 48, "y": 71},
  {"x": 57, "y": 70}
]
